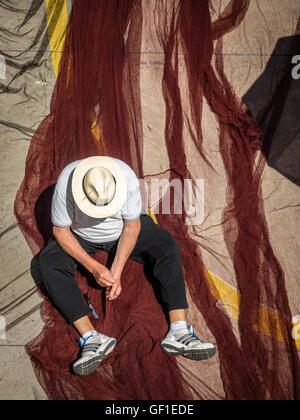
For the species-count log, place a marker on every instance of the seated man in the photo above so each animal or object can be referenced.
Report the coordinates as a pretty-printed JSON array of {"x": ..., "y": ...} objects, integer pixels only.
[{"x": 97, "y": 206}]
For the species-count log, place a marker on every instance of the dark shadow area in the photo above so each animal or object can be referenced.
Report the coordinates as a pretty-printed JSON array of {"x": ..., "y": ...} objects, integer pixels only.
[
  {"x": 274, "y": 101},
  {"x": 43, "y": 213},
  {"x": 43, "y": 220}
]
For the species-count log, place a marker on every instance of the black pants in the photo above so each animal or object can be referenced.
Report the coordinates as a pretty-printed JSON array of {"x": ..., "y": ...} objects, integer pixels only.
[{"x": 154, "y": 246}]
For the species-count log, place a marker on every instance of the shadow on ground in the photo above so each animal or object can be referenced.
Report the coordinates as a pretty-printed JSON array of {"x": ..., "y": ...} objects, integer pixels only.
[{"x": 274, "y": 101}]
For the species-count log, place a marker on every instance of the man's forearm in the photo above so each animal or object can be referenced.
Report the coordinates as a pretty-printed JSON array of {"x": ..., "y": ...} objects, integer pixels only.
[
  {"x": 126, "y": 245},
  {"x": 72, "y": 247}
]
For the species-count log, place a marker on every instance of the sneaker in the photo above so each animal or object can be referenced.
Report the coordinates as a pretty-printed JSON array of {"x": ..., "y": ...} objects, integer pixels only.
[
  {"x": 93, "y": 350},
  {"x": 185, "y": 343}
]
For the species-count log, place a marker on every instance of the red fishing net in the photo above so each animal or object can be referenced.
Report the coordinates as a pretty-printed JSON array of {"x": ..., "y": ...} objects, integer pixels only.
[{"x": 96, "y": 109}]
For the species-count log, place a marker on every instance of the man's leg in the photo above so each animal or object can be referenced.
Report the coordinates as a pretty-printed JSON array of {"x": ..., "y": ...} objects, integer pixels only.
[
  {"x": 58, "y": 272},
  {"x": 157, "y": 246},
  {"x": 83, "y": 326},
  {"x": 176, "y": 315}
]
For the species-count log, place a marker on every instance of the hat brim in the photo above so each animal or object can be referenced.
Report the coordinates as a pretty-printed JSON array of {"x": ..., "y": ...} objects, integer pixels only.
[{"x": 82, "y": 201}]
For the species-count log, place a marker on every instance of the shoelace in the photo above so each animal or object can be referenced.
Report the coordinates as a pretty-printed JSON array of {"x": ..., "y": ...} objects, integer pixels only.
[
  {"x": 85, "y": 347},
  {"x": 189, "y": 338}
]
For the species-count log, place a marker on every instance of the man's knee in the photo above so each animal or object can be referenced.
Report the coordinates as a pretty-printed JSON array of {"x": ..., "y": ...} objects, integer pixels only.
[
  {"x": 168, "y": 244},
  {"x": 45, "y": 259},
  {"x": 54, "y": 257}
]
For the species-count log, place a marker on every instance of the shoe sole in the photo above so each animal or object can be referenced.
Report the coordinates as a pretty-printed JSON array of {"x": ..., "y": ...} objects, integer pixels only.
[
  {"x": 89, "y": 366},
  {"x": 193, "y": 354}
]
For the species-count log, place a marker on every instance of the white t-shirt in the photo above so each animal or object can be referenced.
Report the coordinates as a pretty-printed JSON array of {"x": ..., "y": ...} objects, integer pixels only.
[{"x": 65, "y": 212}]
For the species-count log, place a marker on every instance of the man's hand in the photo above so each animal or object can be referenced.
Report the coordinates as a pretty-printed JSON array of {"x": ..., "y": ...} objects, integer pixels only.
[
  {"x": 126, "y": 244},
  {"x": 102, "y": 275},
  {"x": 70, "y": 245},
  {"x": 114, "y": 291}
]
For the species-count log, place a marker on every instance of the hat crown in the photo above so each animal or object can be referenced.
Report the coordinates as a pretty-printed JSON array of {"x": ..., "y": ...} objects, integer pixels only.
[
  {"x": 99, "y": 193},
  {"x": 99, "y": 185}
]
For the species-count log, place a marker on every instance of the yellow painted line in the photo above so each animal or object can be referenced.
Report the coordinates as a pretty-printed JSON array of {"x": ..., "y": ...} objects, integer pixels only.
[
  {"x": 57, "y": 20},
  {"x": 99, "y": 138},
  {"x": 225, "y": 293},
  {"x": 269, "y": 322},
  {"x": 152, "y": 215}
]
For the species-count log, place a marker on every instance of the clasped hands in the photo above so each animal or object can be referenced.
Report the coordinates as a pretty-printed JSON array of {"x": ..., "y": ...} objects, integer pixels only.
[{"x": 108, "y": 279}]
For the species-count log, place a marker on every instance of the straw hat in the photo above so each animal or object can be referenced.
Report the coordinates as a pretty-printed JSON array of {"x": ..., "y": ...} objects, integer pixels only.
[{"x": 99, "y": 186}]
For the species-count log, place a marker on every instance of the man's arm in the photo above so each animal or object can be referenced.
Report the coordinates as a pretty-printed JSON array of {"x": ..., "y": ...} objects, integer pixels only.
[
  {"x": 126, "y": 245},
  {"x": 69, "y": 244}
]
